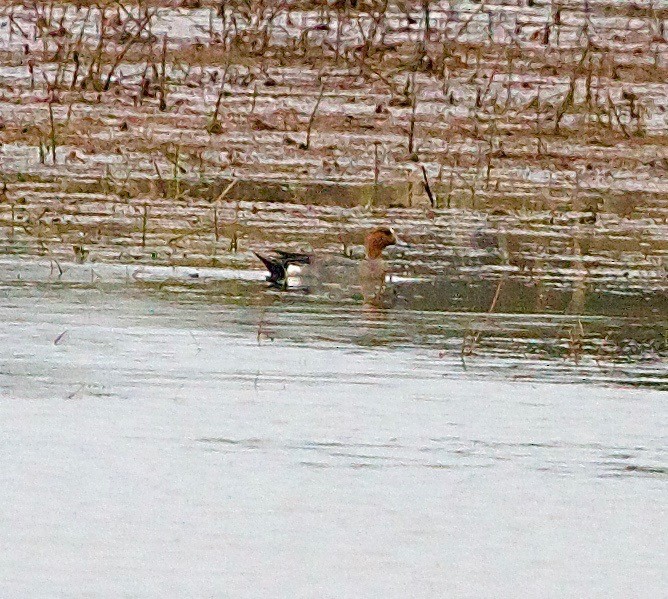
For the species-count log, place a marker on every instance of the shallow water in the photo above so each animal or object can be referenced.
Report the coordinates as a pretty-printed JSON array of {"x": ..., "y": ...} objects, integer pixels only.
[
  {"x": 519, "y": 294},
  {"x": 170, "y": 436},
  {"x": 493, "y": 426}
]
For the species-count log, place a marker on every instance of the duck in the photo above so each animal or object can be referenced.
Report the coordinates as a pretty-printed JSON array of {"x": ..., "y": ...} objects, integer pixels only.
[{"x": 315, "y": 271}]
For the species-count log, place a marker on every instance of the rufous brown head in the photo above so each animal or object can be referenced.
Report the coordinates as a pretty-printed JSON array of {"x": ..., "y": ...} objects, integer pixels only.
[{"x": 377, "y": 240}]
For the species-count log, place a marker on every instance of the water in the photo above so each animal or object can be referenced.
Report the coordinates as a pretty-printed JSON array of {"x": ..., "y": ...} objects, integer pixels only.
[
  {"x": 495, "y": 427},
  {"x": 214, "y": 438}
]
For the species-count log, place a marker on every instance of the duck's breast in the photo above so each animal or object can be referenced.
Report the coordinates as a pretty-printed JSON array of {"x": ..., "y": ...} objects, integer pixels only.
[{"x": 372, "y": 275}]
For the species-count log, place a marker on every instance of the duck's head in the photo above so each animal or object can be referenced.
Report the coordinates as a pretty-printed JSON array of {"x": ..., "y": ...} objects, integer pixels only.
[{"x": 377, "y": 240}]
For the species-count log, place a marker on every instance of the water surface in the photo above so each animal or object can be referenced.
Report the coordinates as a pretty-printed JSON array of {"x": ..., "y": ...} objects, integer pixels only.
[{"x": 210, "y": 437}]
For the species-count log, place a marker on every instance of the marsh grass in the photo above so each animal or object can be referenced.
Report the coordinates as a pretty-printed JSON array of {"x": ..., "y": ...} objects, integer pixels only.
[{"x": 480, "y": 98}]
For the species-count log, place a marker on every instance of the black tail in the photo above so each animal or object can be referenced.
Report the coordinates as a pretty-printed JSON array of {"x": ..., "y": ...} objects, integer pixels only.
[{"x": 277, "y": 270}]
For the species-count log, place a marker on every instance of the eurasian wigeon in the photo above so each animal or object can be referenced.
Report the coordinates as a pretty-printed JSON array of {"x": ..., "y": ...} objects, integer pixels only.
[{"x": 320, "y": 270}]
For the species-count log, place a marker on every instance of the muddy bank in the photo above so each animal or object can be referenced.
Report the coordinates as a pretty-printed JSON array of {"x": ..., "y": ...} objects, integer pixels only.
[{"x": 497, "y": 102}]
